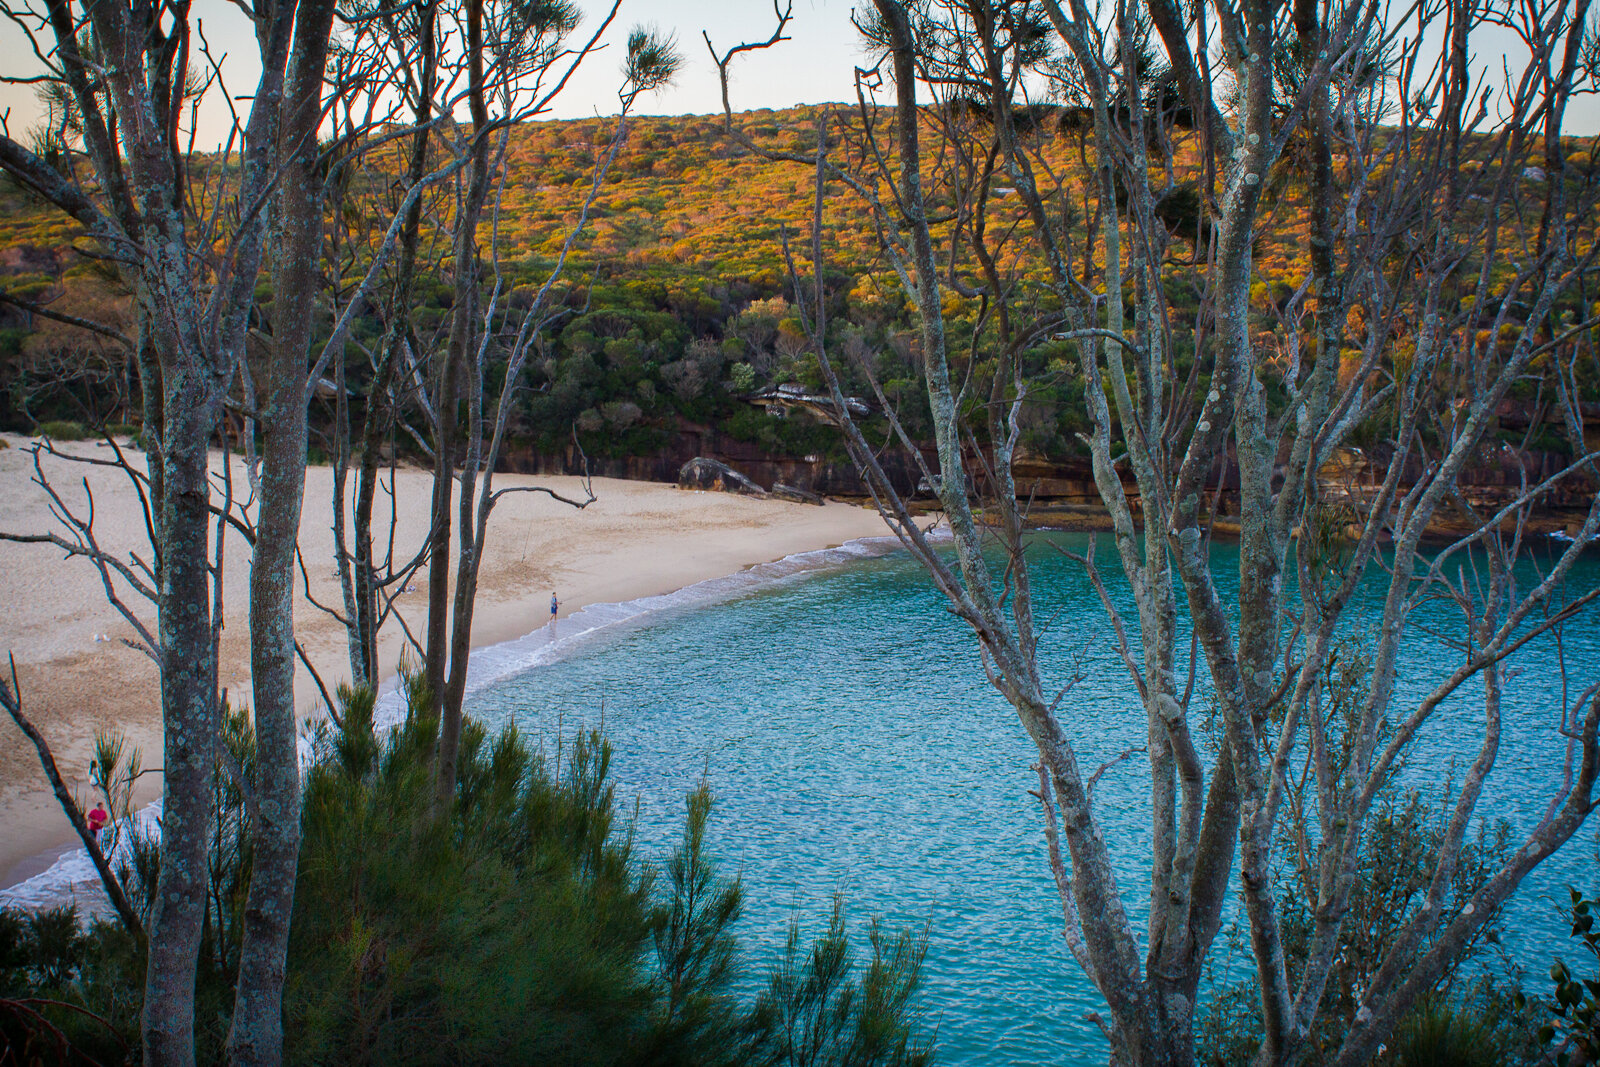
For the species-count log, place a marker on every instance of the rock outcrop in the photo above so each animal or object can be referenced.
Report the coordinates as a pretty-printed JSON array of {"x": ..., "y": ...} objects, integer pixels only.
[
  {"x": 703, "y": 473},
  {"x": 785, "y": 491},
  {"x": 789, "y": 397}
]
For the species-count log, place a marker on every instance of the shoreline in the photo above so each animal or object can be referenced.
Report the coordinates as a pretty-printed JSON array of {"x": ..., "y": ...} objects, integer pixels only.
[
  {"x": 65, "y": 874},
  {"x": 599, "y": 621},
  {"x": 636, "y": 541}
]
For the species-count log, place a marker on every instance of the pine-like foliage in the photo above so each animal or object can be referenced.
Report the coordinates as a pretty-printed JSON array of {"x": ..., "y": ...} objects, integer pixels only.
[
  {"x": 695, "y": 947},
  {"x": 815, "y": 1013},
  {"x": 521, "y": 928},
  {"x": 511, "y": 932}
]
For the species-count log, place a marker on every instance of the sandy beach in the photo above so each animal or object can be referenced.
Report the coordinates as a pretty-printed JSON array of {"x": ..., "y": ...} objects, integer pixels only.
[{"x": 77, "y": 676}]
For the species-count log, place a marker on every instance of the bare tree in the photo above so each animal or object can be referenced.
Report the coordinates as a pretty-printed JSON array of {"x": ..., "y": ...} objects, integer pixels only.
[
  {"x": 508, "y": 56},
  {"x": 506, "y": 63},
  {"x": 408, "y": 49},
  {"x": 1407, "y": 224},
  {"x": 482, "y": 332},
  {"x": 192, "y": 262}
]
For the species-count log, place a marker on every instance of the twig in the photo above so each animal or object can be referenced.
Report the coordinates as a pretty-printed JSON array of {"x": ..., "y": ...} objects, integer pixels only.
[
  {"x": 300, "y": 651},
  {"x": 1110, "y": 763},
  {"x": 1072, "y": 926}
]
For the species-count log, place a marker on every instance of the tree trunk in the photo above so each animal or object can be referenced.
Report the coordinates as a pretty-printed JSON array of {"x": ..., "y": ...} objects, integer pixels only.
[
  {"x": 463, "y": 333},
  {"x": 378, "y": 417},
  {"x": 189, "y": 717},
  {"x": 256, "y": 1036}
]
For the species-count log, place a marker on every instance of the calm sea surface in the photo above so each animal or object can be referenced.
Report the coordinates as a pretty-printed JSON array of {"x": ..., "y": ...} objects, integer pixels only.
[{"x": 853, "y": 745}]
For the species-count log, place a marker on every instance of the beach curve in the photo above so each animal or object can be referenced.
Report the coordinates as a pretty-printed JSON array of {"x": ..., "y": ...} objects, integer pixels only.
[{"x": 637, "y": 541}]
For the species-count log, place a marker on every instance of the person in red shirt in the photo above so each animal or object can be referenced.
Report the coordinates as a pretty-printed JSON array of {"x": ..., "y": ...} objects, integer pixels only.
[{"x": 98, "y": 819}]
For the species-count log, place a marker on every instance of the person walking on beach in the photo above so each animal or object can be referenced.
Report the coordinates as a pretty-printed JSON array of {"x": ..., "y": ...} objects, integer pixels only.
[
  {"x": 554, "y": 606},
  {"x": 98, "y": 819}
]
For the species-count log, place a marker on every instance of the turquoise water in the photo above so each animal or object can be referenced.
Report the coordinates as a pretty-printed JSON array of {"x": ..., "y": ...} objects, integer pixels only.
[{"x": 852, "y": 744}]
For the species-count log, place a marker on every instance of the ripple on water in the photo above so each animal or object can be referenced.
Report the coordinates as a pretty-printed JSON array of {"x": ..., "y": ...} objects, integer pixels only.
[
  {"x": 841, "y": 715},
  {"x": 853, "y": 746}
]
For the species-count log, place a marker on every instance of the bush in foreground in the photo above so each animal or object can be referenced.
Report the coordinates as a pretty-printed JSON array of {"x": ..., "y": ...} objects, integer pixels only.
[
  {"x": 525, "y": 928},
  {"x": 520, "y": 927}
]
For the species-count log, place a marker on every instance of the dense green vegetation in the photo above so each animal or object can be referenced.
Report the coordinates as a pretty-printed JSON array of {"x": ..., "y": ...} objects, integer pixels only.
[{"x": 675, "y": 302}]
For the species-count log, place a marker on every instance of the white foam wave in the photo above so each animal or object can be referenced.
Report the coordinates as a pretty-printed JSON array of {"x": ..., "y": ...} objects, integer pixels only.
[{"x": 73, "y": 879}]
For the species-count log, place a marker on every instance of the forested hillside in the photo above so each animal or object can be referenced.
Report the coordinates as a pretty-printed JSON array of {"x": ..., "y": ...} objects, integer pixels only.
[
  {"x": 676, "y": 304},
  {"x": 676, "y": 298}
]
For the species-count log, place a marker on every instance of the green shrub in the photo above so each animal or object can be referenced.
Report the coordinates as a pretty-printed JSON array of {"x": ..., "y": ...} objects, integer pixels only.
[
  {"x": 1399, "y": 843},
  {"x": 11, "y": 341},
  {"x": 524, "y": 928},
  {"x": 84, "y": 983},
  {"x": 1484, "y": 1028},
  {"x": 1572, "y": 1020},
  {"x": 696, "y": 953},
  {"x": 510, "y": 932},
  {"x": 815, "y": 1011},
  {"x": 63, "y": 431},
  {"x": 54, "y": 944}
]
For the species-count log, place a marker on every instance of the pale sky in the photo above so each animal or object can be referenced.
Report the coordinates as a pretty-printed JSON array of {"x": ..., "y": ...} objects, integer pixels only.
[{"x": 814, "y": 67}]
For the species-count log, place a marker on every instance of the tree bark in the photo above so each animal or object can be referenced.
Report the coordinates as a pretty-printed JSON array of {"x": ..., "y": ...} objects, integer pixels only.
[
  {"x": 256, "y": 1034},
  {"x": 379, "y": 416},
  {"x": 190, "y": 716},
  {"x": 463, "y": 331}
]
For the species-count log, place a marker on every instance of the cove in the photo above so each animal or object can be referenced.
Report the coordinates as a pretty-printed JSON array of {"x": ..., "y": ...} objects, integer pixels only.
[{"x": 844, "y": 723}]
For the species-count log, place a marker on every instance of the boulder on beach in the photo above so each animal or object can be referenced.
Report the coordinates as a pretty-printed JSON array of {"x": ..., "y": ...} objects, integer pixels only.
[
  {"x": 785, "y": 491},
  {"x": 703, "y": 473}
]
